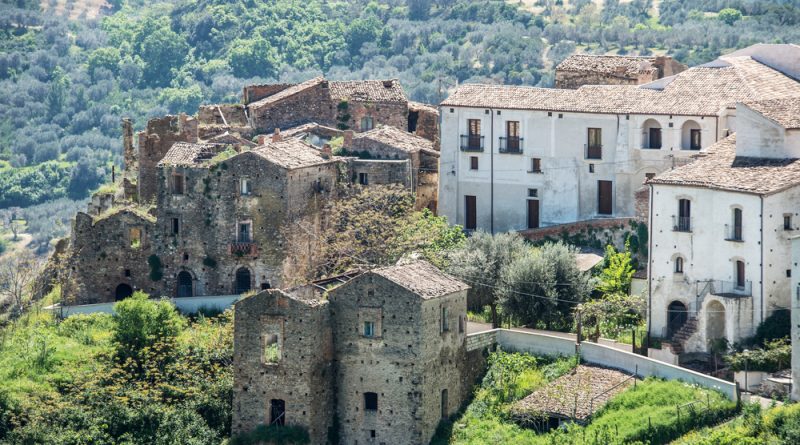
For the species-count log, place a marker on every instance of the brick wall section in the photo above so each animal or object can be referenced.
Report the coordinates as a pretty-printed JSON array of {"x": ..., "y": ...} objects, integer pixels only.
[
  {"x": 642, "y": 203},
  {"x": 303, "y": 377},
  {"x": 154, "y": 143}
]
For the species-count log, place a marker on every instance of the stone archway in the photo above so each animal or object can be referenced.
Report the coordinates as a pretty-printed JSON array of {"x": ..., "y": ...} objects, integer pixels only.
[
  {"x": 184, "y": 288},
  {"x": 715, "y": 320},
  {"x": 122, "y": 292}
]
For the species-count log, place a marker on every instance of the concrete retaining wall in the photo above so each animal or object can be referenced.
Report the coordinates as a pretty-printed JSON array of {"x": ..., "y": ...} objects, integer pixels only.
[
  {"x": 533, "y": 343},
  {"x": 188, "y": 305}
]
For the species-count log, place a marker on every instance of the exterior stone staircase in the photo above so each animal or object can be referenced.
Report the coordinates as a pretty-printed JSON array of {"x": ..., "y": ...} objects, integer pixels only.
[{"x": 683, "y": 334}]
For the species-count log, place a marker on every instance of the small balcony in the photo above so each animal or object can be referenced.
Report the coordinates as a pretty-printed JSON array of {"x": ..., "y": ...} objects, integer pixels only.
[
  {"x": 511, "y": 145},
  {"x": 471, "y": 142},
  {"x": 242, "y": 248},
  {"x": 681, "y": 224},
  {"x": 593, "y": 151},
  {"x": 732, "y": 289},
  {"x": 733, "y": 233}
]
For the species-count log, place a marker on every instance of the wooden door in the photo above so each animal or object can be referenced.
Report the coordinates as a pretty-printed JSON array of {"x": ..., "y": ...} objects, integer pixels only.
[
  {"x": 604, "y": 197},
  {"x": 471, "y": 220},
  {"x": 533, "y": 213}
]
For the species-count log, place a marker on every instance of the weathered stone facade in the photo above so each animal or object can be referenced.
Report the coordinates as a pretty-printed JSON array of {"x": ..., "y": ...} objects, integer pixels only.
[
  {"x": 154, "y": 143},
  {"x": 399, "y": 336}
]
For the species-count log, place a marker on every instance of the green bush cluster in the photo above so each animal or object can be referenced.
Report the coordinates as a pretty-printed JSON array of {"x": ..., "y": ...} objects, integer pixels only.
[{"x": 777, "y": 425}]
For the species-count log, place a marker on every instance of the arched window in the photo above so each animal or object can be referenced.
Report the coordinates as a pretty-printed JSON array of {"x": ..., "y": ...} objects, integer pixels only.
[
  {"x": 677, "y": 314},
  {"x": 691, "y": 136},
  {"x": 123, "y": 291},
  {"x": 678, "y": 264},
  {"x": 651, "y": 134}
]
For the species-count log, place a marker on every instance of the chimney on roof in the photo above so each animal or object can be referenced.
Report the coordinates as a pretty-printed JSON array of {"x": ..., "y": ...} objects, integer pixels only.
[
  {"x": 326, "y": 151},
  {"x": 388, "y": 83},
  {"x": 262, "y": 139},
  {"x": 276, "y": 136},
  {"x": 348, "y": 139},
  {"x": 324, "y": 83}
]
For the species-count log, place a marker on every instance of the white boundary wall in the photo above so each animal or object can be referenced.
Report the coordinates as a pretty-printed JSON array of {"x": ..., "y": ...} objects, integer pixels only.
[
  {"x": 187, "y": 305},
  {"x": 534, "y": 343}
]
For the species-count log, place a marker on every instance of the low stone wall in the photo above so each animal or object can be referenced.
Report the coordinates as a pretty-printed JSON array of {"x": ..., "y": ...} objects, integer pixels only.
[
  {"x": 533, "y": 343},
  {"x": 481, "y": 340},
  {"x": 188, "y": 305},
  {"x": 576, "y": 228}
]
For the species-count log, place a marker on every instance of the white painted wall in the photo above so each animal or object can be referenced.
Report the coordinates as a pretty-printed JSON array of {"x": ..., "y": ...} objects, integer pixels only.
[
  {"x": 795, "y": 306},
  {"x": 567, "y": 190},
  {"x": 761, "y": 137}
]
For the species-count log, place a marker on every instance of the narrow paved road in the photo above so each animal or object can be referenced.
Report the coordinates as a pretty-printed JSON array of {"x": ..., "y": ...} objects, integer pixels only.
[{"x": 475, "y": 327}]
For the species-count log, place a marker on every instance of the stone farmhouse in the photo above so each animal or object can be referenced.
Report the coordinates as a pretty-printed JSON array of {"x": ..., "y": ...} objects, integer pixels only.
[
  {"x": 586, "y": 69},
  {"x": 721, "y": 231},
  {"x": 202, "y": 207},
  {"x": 514, "y": 157},
  {"x": 379, "y": 359}
]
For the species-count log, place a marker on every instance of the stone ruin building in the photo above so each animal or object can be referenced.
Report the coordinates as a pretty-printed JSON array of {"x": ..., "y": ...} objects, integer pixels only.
[
  {"x": 585, "y": 69},
  {"x": 201, "y": 206},
  {"x": 379, "y": 359}
]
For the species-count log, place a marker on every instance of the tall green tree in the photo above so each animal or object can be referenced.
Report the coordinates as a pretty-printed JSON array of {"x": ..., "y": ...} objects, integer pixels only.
[
  {"x": 480, "y": 262},
  {"x": 58, "y": 92},
  {"x": 542, "y": 286},
  {"x": 617, "y": 273},
  {"x": 253, "y": 57}
]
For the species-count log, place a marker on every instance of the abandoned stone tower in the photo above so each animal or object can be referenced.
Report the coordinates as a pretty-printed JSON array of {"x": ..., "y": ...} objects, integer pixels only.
[{"x": 379, "y": 359}]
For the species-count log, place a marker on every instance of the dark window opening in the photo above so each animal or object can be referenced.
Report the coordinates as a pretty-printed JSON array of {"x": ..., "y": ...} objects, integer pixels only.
[
  {"x": 736, "y": 233},
  {"x": 676, "y": 316},
  {"x": 533, "y": 212},
  {"x": 127, "y": 272},
  {"x": 536, "y": 165},
  {"x": 678, "y": 265},
  {"x": 655, "y": 138},
  {"x": 471, "y": 219},
  {"x": 684, "y": 223},
  {"x": 242, "y": 280},
  {"x": 177, "y": 184},
  {"x": 473, "y": 162},
  {"x": 413, "y": 117},
  {"x": 787, "y": 222},
  {"x": 265, "y": 286},
  {"x": 594, "y": 144},
  {"x": 370, "y": 401},
  {"x": 740, "y": 282},
  {"x": 444, "y": 404},
  {"x": 363, "y": 178},
  {"x": 277, "y": 412},
  {"x": 176, "y": 226},
  {"x": 604, "y": 197},
  {"x": 694, "y": 139},
  {"x": 244, "y": 232}
]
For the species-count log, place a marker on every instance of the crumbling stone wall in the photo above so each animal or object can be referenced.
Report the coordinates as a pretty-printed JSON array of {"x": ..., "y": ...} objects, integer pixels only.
[
  {"x": 576, "y": 79},
  {"x": 103, "y": 257},
  {"x": 302, "y": 377},
  {"x": 252, "y": 93},
  {"x": 154, "y": 142},
  {"x": 427, "y": 122},
  {"x": 381, "y": 171},
  {"x": 222, "y": 114}
]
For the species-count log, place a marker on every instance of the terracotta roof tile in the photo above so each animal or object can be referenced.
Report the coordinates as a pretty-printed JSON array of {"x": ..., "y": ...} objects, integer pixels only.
[
  {"x": 291, "y": 153},
  {"x": 386, "y": 91},
  {"x": 394, "y": 137},
  {"x": 190, "y": 154},
  {"x": 784, "y": 112},
  {"x": 422, "y": 278},
  {"x": 721, "y": 169},
  {"x": 698, "y": 91}
]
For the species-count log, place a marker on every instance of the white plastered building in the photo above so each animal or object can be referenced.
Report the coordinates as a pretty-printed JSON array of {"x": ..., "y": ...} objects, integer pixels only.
[
  {"x": 721, "y": 229},
  {"x": 514, "y": 158}
]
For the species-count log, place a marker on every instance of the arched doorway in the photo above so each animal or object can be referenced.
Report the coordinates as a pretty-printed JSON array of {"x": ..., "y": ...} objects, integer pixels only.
[
  {"x": 691, "y": 136},
  {"x": 242, "y": 283},
  {"x": 715, "y": 320},
  {"x": 651, "y": 134},
  {"x": 677, "y": 315},
  {"x": 184, "y": 284},
  {"x": 122, "y": 292}
]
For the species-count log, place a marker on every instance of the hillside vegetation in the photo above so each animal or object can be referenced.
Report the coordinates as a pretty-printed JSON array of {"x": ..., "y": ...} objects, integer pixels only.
[{"x": 65, "y": 84}]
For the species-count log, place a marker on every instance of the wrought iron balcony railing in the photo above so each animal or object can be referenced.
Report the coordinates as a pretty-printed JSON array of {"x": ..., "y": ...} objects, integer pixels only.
[
  {"x": 470, "y": 142},
  {"x": 511, "y": 145}
]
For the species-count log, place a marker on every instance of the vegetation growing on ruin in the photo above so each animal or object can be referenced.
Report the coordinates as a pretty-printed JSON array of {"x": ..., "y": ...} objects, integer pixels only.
[{"x": 756, "y": 426}]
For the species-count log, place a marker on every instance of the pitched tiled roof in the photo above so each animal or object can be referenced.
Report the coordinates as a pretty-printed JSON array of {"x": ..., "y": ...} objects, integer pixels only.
[
  {"x": 190, "y": 154},
  {"x": 721, "y": 169},
  {"x": 385, "y": 91},
  {"x": 419, "y": 106},
  {"x": 313, "y": 128},
  {"x": 785, "y": 112},
  {"x": 394, "y": 137},
  {"x": 422, "y": 278},
  {"x": 624, "y": 66},
  {"x": 291, "y": 154},
  {"x": 698, "y": 91},
  {"x": 291, "y": 91}
]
